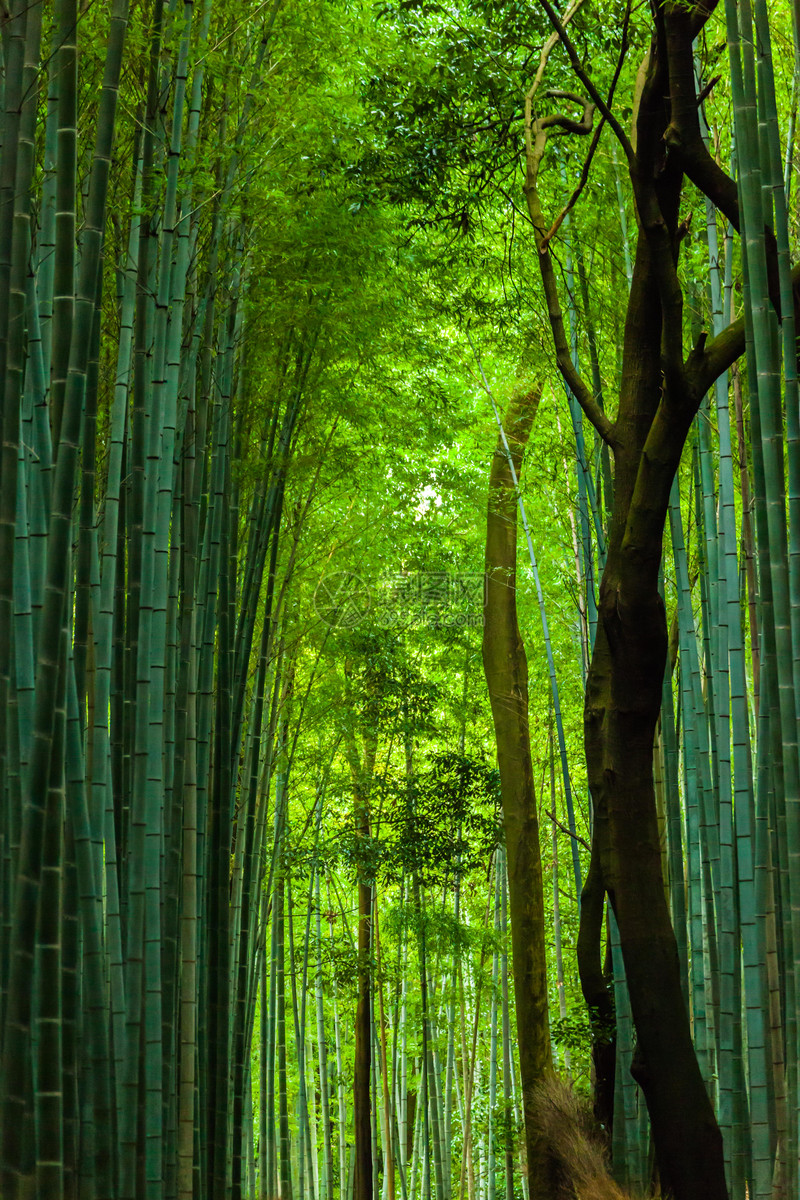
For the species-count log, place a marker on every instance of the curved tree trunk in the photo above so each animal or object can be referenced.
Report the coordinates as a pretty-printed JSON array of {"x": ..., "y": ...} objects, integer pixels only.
[
  {"x": 660, "y": 392},
  {"x": 506, "y": 669},
  {"x": 622, "y": 700},
  {"x": 658, "y": 400}
]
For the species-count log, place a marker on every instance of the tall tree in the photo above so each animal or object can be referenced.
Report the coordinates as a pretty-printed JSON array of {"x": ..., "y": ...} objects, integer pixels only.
[
  {"x": 661, "y": 389},
  {"x": 506, "y": 668}
]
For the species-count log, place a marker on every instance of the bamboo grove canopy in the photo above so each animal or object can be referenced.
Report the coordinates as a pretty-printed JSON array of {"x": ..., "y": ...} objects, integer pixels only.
[{"x": 339, "y": 807}]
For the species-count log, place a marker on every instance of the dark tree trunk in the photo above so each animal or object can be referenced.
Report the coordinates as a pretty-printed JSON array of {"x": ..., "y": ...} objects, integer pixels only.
[
  {"x": 660, "y": 391},
  {"x": 624, "y": 686},
  {"x": 361, "y": 771},
  {"x": 598, "y": 995},
  {"x": 623, "y": 699},
  {"x": 622, "y": 703}
]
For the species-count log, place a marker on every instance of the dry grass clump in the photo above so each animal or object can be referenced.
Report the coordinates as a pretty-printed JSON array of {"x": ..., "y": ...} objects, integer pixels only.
[{"x": 578, "y": 1165}]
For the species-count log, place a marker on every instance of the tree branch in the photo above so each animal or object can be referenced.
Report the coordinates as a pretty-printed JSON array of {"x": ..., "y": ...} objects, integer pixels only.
[
  {"x": 708, "y": 360},
  {"x": 566, "y": 123},
  {"x": 586, "y": 80},
  {"x": 657, "y": 190},
  {"x": 553, "y": 230},
  {"x": 700, "y": 13},
  {"x": 650, "y": 215},
  {"x": 683, "y": 135},
  {"x": 573, "y": 380},
  {"x": 552, "y": 41},
  {"x": 565, "y": 829},
  {"x": 684, "y": 138},
  {"x": 535, "y": 142},
  {"x": 587, "y": 116},
  {"x": 547, "y": 49}
]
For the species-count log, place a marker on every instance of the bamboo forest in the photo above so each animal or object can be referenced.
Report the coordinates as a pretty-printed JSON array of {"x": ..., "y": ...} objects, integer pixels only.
[{"x": 399, "y": 600}]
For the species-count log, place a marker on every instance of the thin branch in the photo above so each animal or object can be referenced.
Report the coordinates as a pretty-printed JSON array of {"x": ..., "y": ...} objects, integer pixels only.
[
  {"x": 586, "y": 80},
  {"x": 572, "y": 378},
  {"x": 708, "y": 89},
  {"x": 562, "y": 121},
  {"x": 519, "y": 211},
  {"x": 554, "y": 228},
  {"x": 708, "y": 360},
  {"x": 551, "y": 42},
  {"x": 596, "y": 137},
  {"x": 547, "y": 49},
  {"x": 569, "y": 832}
]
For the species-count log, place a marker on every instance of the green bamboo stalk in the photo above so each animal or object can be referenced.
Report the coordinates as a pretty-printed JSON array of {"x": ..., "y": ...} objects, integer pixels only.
[
  {"x": 93, "y": 982},
  {"x": 285, "y": 1175},
  {"x": 764, "y": 378},
  {"x": 248, "y": 872},
  {"x": 491, "y": 1135},
  {"x": 58, "y": 573},
  {"x": 16, "y": 167},
  {"x": 628, "y": 1151},
  {"x": 189, "y": 948},
  {"x": 48, "y": 994},
  {"x": 66, "y": 66},
  {"x": 326, "y": 1175},
  {"x": 562, "y": 999},
  {"x": 263, "y": 1117},
  {"x": 451, "y": 1078},
  {"x": 696, "y": 783},
  {"x": 46, "y": 240},
  {"x": 340, "y": 1094},
  {"x": 731, "y": 665},
  {"x": 269, "y": 1182},
  {"x": 764, "y": 355},
  {"x": 304, "y": 1165}
]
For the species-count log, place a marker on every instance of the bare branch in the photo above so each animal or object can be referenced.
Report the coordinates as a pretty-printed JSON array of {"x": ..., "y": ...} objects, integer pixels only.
[
  {"x": 560, "y": 94},
  {"x": 684, "y": 138},
  {"x": 552, "y": 41},
  {"x": 582, "y": 127},
  {"x": 586, "y": 80},
  {"x": 576, "y": 194},
  {"x": 580, "y": 390},
  {"x": 536, "y": 139},
  {"x": 708, "y": 89},
  {"x": 708, "y": 360},
  {"x": 547, "y": 49},
  {"x": 596, "y": 137},
  {"x": 567, "y": 830}
]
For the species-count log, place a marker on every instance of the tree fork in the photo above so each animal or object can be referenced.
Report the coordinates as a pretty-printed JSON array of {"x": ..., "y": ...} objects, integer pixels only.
[{"x": 660, "y": 392}]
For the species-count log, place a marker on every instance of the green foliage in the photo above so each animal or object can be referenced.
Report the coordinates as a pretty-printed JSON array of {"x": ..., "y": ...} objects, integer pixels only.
[
  {"x": 444, "y": 821},
  {"x": 579, "y": 1029}
]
